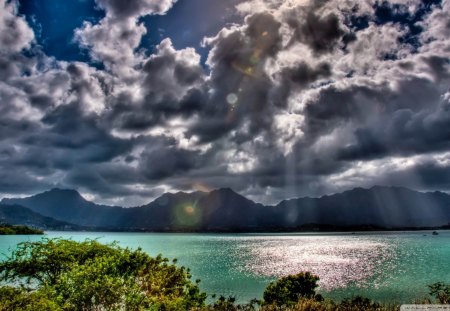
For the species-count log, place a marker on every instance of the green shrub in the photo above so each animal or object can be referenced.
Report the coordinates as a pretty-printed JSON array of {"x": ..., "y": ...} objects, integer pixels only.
[
  {"x": 6, "y": 229},
  {"x": 64, "y": 275},
  {"x": 229, "y": 304},
  {"x": 288, "y": 290},
  {"x": 304, "y": 304},
  {"x": 441, "y": 292},
  {"x": 358, "y": 303},
  {"x": 92, "y": 276},
  {"x": 12, "y": 299}
]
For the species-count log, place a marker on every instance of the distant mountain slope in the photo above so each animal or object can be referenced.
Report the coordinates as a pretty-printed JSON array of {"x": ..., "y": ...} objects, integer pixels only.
[
  {"x": 222, "y": 210},
  {"x": 70, "y": 206},
  {"x": 225, "y": 210},
  {"x": 380, "y": 206},
  {"x": 19, "y": 215}
]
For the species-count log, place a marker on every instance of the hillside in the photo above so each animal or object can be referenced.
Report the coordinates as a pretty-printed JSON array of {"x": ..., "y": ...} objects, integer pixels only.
[
  {"x": 69, "y": 206},
  {"x": 226, "y": 210},
  {"x": 19, "y": 215}
]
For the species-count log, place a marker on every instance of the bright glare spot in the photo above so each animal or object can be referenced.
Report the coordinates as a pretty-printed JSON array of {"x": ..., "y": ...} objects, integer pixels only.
[
  {"x": 199, "y": 186},
  {"x": 240, "y": 162},
  {"x": 232, "y": 98},
  {"x": 89, "y": 196},
  {"x": 339, "y": 261},
  {"x": 289, "y": 130},
  {"x": 187, "y": 214},
  {"x": 189, "y": 210}
]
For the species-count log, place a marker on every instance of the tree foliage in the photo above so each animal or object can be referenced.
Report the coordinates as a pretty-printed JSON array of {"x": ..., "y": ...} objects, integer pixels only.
[
  {"x": 288, "y": 290},
  {"x": 441, "y": 292},
  {"x": 358, "y": 303},
  {"x": 64, "y": 275},
  {"x": 92, "y": 276},
  {"x": 6, "y": 229},
  {"x": 12, "y": 299}
]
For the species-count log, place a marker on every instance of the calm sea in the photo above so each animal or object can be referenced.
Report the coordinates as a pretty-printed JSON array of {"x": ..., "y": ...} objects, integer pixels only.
[{"x": 394, "y": 267}]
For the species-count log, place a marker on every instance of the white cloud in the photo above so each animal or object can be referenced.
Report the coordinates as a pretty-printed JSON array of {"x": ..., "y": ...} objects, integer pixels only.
[
  {"x": 309, "y": 113},
  {"x": 15, "y": 34}
]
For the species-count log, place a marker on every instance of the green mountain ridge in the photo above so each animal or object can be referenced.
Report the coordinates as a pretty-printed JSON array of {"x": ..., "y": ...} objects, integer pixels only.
[
  {"x": 225, "y": 210},
  {"x": 19, "y": 215}
]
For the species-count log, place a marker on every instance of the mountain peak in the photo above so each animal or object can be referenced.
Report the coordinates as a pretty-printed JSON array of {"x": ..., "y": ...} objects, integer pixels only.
[
  {"x": 224, "y": 209},
  {"x": 62, "y": 193},
  {"x": 226, "y": 190},
  {"x": 63, "y": 190}
]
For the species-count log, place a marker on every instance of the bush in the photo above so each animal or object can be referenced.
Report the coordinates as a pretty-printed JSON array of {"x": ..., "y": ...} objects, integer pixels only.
[
  {"x": 288, "y": 290},
  {"x": 358, "y": 303},
  {"x": 64, "y": 275},
  {"x": 92, "y": 276},
  {"x": 229, "y": 304},
  {"x": 6, "y": 229},
  {"x": 19, "y": 299},
  {"x": 441, "y": 292}
]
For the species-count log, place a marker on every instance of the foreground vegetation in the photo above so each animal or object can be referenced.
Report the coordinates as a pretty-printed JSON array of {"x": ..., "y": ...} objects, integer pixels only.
[
  {"x": 6, "y": 229},
  {"x": 64, "y": 275}
]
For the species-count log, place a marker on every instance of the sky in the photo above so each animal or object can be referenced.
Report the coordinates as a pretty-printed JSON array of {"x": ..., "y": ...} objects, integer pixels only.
[{"x": 125, "y": 100}]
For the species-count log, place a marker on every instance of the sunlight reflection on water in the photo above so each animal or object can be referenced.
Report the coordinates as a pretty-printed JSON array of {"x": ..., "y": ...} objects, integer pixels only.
[
  {"x": 384, "y": 266},
  {"x": 338, "y": 261}
]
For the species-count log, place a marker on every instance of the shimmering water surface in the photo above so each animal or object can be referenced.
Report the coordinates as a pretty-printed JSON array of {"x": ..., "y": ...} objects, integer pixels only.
[{"x": 394, "y": 267}]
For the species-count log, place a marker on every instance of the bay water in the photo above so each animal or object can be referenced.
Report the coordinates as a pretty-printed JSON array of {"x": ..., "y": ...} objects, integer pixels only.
[{"x": 384, "y": 266}]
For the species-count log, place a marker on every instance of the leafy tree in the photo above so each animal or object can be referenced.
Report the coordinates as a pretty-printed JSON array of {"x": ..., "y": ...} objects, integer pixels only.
[
  {"x": 6, "y": 229},
  {"x": 229, "y": 304},
  {"x": 19, "y": 299},
  {"x": 288, "y": 290},
  {"x": 92, "y": 276},
  {"x": 358, "y": 303},
  {"x": 440, "y": 291}
]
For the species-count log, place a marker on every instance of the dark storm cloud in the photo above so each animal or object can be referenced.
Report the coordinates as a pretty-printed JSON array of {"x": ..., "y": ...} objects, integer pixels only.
[
  {"x": 7, "y": 68},
  {"x": 70, "y": 130},
  {"x": 170, "y": 87},
  {"x": 296, "y": 77},
  {"x": 157, "y": 164},
  {"x": 302, "y": 74},
  {"x": 404, "y": 133},
  {"x": 112, "y": 181},
  {"x": 320, "y": 33},
  {"x": 164, "y": 72},
  {"x": 439, "y": 66},
  {"x": 300, "y": 99},
  {"x": 20, "y": 182},
  {"x": 431, "y": 174},
  {"x": 239, "y": 86},
  {"x": 427, "y": 174},
  {"x": 365, "y": 103}
]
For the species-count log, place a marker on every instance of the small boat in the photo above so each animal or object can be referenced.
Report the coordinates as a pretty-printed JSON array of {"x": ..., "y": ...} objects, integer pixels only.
[{"x": 435, "y": 233}]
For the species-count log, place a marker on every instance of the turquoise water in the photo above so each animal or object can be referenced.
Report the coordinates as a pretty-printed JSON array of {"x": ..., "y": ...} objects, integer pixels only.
[{"x": 394, "y": 267}]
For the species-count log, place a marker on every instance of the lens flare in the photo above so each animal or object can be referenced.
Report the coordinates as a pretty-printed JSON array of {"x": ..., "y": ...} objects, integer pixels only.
[
  {"x": 188, "y": 215},
  {"x": 189, "y": 210},
  {"x": 248, "y": 71},
  {"x": 232, "y": 98}
]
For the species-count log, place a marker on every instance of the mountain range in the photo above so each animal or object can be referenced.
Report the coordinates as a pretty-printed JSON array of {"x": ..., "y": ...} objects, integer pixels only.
[
  {"x": 19, "y": 215},
  {"x": 225, "y": 210}
]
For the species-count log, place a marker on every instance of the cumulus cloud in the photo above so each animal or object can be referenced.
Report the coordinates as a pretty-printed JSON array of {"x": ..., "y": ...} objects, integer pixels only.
[
  {"x": 134, "y": 8},
  {"x": 114, "y": 39},
  {"x": 301, "y": 98},
  {"x": 15, "y": 34},
  {"x": 168, "y": 87}
]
